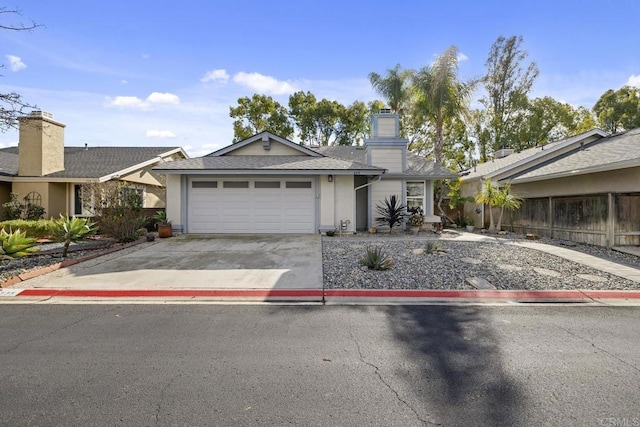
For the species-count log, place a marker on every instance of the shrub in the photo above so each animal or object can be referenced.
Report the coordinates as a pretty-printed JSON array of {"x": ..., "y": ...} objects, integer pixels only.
[
  {"x": 433, "y": 247},
  {"x": 376, "y": 259},
  {"x": 392, "y": 212},
  {"x": 16, "y": 244},
  {"x": 13, "y": 209},
  {"x": 37, "y": 229},
  {"x": 69, "y": 230}
]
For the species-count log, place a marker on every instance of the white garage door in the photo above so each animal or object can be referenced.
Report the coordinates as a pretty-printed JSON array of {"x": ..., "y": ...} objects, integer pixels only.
[{"x": 251, "y": 206}]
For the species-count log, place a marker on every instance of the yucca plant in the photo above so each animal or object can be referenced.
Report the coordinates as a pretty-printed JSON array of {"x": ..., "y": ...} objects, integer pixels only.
[
  {"x": 392, "y": 212},
  {"x": 72, "y": 229},
  {"x": 16, "y": 244},
  {"x": 376, "y": 259}
]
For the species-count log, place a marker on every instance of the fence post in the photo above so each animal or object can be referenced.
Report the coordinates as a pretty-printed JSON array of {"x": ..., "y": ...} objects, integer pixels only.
[{"x": 611, "y": 220}]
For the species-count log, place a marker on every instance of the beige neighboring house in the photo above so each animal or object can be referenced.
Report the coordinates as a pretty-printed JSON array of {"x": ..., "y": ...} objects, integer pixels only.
[
  {"x": 268, "y": 184},
  {"x": 51, "y": 175},
  {"x": 585, "y": 188}
]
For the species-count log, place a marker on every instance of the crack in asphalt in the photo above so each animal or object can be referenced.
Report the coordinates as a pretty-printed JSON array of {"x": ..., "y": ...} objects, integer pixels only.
[
  {"x": 39, "y": 337},
  {"x": 394, "y": 391},
  {"x": 164, "y": 389},
  {"x": 635, "y": 368}
]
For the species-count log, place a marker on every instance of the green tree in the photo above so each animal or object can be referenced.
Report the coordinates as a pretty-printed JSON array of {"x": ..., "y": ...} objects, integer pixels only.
[
  {"x": 301, "y": 111},
  {"x": 479, "y": 131},
  {"x": 505, "y": 200},
  {"x": 546, "y": 120},
  {"x": 618, "y": 110},
  {"x": 394, "y": 87},
  {"x": 441, "y": 95},
  {"x": 12, "y": 105},
  {"x": 507, "y": 84},
  {"x": 488, "y": 195},
  {"x": 257, "y": 114},
  {"x": 352, "y": 128}
]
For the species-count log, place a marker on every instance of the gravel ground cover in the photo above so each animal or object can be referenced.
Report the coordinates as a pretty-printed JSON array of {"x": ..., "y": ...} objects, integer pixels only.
[
  {"x": 502, "y": 264},
  {"x": 49, "y": 254}
]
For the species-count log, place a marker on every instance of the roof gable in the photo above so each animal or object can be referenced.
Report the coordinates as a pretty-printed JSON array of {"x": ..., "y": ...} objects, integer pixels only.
[
  {"x": 265, "y": 143},
  {"x": 516, "y": 163}
]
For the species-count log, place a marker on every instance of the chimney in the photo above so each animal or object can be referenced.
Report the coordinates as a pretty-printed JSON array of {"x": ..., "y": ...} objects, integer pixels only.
[
  {"x": 40, "y": 145},
  {"x": 385, "y": 124},
  {"x": 503, "y": 152},
  {"x": 385, "y": 148}
]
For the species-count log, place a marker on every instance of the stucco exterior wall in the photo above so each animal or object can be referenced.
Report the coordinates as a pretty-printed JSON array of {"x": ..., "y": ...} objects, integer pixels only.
[
  {"x": 344, "y": 201},
  {"x": 381, "y": 190},
  {"x": 155, "y": 197},
  {"x": 42, "y": 188},
  {"x": 327, "y": 203},
  {"x": 174, "y": 201},
  {"x": 389, "y": 158},
  {"x": 143, "y": 176},
  {"x": 616, "y": 181},
  {"x": 256, "y": 149}
]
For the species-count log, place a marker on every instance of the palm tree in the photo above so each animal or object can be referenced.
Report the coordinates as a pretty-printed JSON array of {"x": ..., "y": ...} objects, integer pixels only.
[
  {"x": 505, "y": 200},
  {"x": 393, "y": 87},
  {"x": 488, "y": 195},
  {"x": 441, "y": 95}
]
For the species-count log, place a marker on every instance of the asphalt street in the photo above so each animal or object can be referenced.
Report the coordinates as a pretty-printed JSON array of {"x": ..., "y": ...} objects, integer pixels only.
[{"x": 256, "y": 365}]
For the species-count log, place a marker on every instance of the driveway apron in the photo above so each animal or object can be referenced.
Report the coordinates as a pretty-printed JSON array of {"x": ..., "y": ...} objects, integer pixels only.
[{"x": 202, "y": 262}]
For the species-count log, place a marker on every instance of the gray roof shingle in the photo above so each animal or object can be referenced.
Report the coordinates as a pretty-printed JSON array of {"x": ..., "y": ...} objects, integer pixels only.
[
  {"x": 617, "y": 151},
  {"x": 93, "y": 162}
]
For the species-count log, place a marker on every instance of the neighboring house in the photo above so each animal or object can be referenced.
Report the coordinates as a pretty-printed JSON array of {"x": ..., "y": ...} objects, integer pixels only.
[
  {"x": 587, "y": 191},
  {"x": 268, "y": 184},
  {"x": 51, "y": 175}
]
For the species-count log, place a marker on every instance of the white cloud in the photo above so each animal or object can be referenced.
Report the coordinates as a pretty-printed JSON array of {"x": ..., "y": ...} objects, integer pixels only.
[
  {"x": 15, "y": 62},
  {"x": 218, "y": 76},
  {"x": 462, "y": 57},
  {"x": 135, "y": 103},
  {"x": 132, "y": 102},
  {"x": 163, "y": 98},
  {"x": 634, "y": 80},
  {"x": 160, "y": 134},
  {"x": 264, "y": 84}
]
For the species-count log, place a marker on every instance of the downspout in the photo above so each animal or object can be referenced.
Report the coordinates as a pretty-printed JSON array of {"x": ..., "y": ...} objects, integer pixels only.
[{"x": 355, "y": 200}]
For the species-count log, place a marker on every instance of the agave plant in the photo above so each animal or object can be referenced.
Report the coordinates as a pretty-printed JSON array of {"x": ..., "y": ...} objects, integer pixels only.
[
  {"x": 376, "y": 259},
  {"x": 72, "y": 229},
  {"x": 16, "y": 244}
]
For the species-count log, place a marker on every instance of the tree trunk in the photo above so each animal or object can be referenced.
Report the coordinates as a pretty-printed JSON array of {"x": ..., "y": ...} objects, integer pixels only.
[{"x": 65, "y": 248}]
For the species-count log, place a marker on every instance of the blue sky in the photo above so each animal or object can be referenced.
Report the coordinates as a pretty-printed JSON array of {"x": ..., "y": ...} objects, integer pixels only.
[{"x": 152, "y": 73}]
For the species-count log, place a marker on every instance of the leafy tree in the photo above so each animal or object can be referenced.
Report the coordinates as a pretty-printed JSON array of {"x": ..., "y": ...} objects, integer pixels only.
[
  {"x": 394, "y": 87},
  {"x": 546, "y": 120},
  {"x": 441, "y": 95},
  {"x": 353, "y": 126},
  {"x": 507, "y": 83},
  {"x": 618, "y": 110},
  {"x": 327, "y": 116},
  {"x": 479, "y": 131},
  {"x": 301, "y": 111},
  {"x": 456, "y": 200},
  {"x": 505, "y": 200},
  {"x": 257, "y": 114},
  {"x": 488, "y": 195},
  {"x": 12, "y": 105}
]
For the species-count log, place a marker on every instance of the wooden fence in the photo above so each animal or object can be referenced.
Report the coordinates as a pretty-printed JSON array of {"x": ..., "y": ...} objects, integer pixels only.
[{"x": 611, "y": 219}]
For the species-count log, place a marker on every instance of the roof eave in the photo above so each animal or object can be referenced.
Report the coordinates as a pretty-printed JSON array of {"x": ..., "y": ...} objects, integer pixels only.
[
  {"x": 565, "y": 174},
  {"x": 371, "y": 172}
]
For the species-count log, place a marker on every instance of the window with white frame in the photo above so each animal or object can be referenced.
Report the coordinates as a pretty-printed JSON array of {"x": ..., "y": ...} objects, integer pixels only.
[{"x": 416, "y": 195}]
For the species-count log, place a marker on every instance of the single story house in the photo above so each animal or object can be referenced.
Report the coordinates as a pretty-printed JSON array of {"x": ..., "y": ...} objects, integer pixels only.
[
  {"x": 268, "y": 184},
  {"x": 585, "y": 188},
  {"x": 51, "y": 175}
]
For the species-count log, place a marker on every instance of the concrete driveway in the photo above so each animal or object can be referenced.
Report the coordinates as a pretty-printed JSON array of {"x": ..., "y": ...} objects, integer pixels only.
[{"x": 200, "y": 262}]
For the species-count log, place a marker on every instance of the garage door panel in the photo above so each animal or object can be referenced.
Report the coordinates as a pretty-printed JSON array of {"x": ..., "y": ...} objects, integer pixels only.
[{"x": 266, "y": 206}]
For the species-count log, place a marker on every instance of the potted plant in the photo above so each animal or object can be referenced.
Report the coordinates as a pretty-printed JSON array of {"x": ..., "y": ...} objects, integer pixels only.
[
  {"x": 415, "y": 222},
  {"x": 163, "y": 224},
  {"x": 470, "y": 226}
]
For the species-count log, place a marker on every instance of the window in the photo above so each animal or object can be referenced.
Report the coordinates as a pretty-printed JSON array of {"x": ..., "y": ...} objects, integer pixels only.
[
  {"x": 82, "y": 201},
  {"x": 267, "y": 184},
  {"x": 204, "y": 184},
  {"x": 298, "y": 184},
  {"x": 415, "y": 195},
  {"x": 235, "y": 184}
]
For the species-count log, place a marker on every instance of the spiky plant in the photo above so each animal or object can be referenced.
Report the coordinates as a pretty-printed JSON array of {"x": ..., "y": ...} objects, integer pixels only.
[
  {"x": 72, "y": 229},
  {"x": 392, "y": 212},
  {"x": 376, "y": 259},
  {"x": 16, "y": 244}
]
